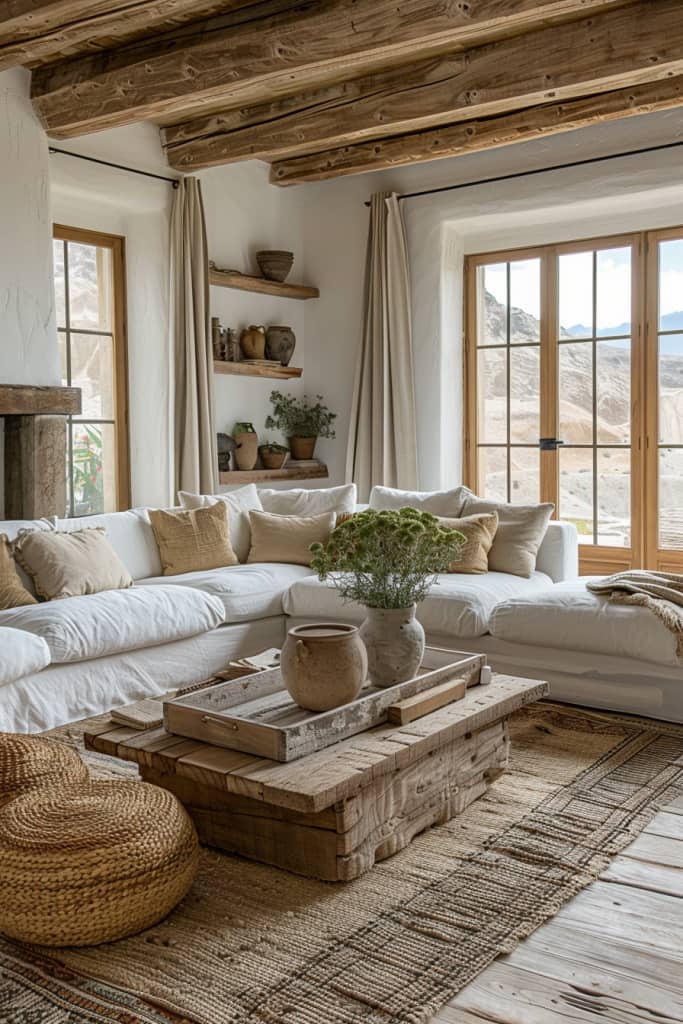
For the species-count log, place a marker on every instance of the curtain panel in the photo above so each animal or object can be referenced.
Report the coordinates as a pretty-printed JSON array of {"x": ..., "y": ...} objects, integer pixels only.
[
  {"x": 382, "y": 446},
  {"x": 194, "y": 435}
]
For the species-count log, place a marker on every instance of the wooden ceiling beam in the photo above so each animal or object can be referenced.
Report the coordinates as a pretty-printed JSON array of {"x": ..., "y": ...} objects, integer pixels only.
[
  {"x": 35, "y": 31},
  {"x": 219, "y": 63},
  {"x": 619, "y": 48},
  {"x": 474, "y": 136}
]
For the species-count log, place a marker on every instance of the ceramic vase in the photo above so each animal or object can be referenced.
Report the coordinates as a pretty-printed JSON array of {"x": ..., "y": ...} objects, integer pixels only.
[
  {"x": 246, "y": 452},
  {"x": 273, "y": 460},
  {"x": 395, "y": 642},
  {"x": 323, "y": 665},
  {"x": 280, "y": 342},
  {"x": 302, "y": 447},
  {"x": 253, "y": 342}
]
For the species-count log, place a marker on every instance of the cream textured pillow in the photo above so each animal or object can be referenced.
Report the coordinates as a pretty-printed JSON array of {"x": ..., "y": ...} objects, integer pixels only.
[
  {"x": 193, "y": 540},
  {"x": 521, "y": 528},
  {"x": 439, "y": 503},
  {"x": 301, "y": 501},
  {"x": 240, "y": 503},
  {"x": 13, "y": 593},
  {"x": 71, "y": 564},
  {"x": 479, "y": 529},
  {"x": 288, "y": 539}
]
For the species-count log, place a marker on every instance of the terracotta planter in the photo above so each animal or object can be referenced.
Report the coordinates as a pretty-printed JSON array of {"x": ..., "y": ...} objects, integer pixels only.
[
  {"x": 302, "y": 447},
  {"x": 395, "y": 642},
  {"x": 246, "y": 452},
  {"x": 273, "y": 460},
  {"x": 323, "y": 666}
]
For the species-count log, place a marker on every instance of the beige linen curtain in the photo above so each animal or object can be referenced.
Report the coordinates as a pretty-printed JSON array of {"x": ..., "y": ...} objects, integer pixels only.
[
  {"x": 382, "y": 447},
  {"x": 194, "y": 436}
]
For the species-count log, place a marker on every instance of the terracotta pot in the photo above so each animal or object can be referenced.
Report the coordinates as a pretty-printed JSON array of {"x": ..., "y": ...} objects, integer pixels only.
[
  {"x": 253, "y": 342},
  {"x": 246, "y": 452},
  {"x": 273, "y": 460},
  {"x": 323, "y": 666},
  {"x": 395, "y": 642},
  {"x": 280, "y": 342},
  {"x": 302, "y": 447}
]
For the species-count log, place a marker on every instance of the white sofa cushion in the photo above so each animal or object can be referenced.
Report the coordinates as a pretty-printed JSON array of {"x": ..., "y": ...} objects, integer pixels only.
[
  {"x": 300, "y": 501},
  {"x": 558, "y": 555},
  {"x": 240, "y": 502},
  {"x": 458, "y": 605},
  {"x": 80, "y": 628},
  {"x": 569, "y": 617},
  {"x": 439, "y": 503},
  {"x": 253, "y": 591},
  {"x": 20, "y": 654},
  {"x": 131, "y": 536}
]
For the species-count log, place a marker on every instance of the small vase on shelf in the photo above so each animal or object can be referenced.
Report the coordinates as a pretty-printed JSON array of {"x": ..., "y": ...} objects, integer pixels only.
[{"x": 246, "y": 440}]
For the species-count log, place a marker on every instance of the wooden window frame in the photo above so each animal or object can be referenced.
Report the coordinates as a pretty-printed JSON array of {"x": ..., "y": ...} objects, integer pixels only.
[{"x": 117, "y": 246}]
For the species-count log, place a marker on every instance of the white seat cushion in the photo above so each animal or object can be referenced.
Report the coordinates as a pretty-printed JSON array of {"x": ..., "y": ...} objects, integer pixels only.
[
  {"x": 80, "y": 628},
  {"x": 20, "y": 654},
  {"x": 253, "y": 591},
  {"x": 131, "y": 536},
  {"x": 459, "y": 605},
  {"x": 569, "y": 617}
]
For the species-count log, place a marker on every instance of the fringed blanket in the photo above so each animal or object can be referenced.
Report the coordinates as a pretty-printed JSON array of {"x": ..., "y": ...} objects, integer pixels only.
[{"x": 661, "y": 592}]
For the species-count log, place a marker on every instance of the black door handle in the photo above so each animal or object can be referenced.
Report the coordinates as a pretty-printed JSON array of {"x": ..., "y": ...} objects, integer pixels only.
[{"x": 549, "y": 444}]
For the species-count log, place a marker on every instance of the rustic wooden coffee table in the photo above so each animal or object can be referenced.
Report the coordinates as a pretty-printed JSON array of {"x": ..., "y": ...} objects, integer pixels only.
[{"x": 333, "y": 814}]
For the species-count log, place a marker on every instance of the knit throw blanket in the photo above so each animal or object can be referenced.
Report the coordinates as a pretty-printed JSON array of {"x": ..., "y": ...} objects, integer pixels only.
[{"x": 661, "y": 592}]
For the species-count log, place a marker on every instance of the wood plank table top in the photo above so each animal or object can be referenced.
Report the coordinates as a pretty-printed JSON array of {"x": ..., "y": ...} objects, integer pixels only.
[{"x": 319, "y": 780}]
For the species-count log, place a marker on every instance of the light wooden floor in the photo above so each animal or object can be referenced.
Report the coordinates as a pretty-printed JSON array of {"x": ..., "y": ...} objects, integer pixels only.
[{"x": 613, "y": 955}]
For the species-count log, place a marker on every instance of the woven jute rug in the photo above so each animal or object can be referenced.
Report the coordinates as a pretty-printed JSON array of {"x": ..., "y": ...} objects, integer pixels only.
[{"x": 254, "y": 945}]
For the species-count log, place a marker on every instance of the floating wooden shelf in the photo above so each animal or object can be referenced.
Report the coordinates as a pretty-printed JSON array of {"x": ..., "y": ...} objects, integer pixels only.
[
  {"x": 247, "y": 283},
  {"x": 247, "y": 370},
  {"x": 243, "y": 476}
]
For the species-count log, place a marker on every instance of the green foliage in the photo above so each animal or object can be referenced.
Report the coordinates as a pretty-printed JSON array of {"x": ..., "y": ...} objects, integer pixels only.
[
  {"x": 387, "y": 559},
  {"x": 272, "y": 446},
  {"x": 300, "y": 417},
  {"x": 88, "y": 481}
]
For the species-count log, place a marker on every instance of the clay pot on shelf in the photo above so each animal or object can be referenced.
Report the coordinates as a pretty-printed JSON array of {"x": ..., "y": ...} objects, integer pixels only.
[
  {"x": 275, "y": 264},
  {"x": 273, "y": 458},
  {"x": 323, "y": 665},
  {"x": 280, "y": 342},
  {"x": 253, "y": 342},
  {"x": 246, "y": 452},
  {"x": 302, "y": 447}
]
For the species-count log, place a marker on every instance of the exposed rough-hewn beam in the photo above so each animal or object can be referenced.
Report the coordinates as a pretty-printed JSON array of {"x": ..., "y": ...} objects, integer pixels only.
[
  {"x": 472, "y": 136},
  {"x": 619, "y": 48},
  {"x": 220, "y": 63},
  {"x": 35, "y": 31}
]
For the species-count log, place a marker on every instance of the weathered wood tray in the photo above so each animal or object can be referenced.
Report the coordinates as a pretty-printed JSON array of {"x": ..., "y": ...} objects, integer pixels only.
[{"x": 256, "y": 715}]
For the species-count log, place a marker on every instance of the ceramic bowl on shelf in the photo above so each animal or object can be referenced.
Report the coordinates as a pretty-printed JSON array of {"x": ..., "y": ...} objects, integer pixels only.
[{"x": 275, "y": 264}]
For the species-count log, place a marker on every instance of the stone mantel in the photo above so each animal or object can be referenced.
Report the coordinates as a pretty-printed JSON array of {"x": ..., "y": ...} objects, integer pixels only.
[{"x": 27, "y": 400}]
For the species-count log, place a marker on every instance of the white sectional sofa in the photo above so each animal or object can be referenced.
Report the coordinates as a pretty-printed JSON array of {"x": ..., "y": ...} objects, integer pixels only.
[{"x": 90, "y": 654}]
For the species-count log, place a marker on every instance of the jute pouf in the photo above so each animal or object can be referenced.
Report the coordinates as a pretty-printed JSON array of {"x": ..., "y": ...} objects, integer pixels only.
[
  {"x": 27, "y": 762},
  {"x": 80, "y": 865}
]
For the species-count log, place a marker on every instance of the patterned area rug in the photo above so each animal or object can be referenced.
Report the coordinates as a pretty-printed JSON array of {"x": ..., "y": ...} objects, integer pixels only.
[{"x": 254, "y": 945}]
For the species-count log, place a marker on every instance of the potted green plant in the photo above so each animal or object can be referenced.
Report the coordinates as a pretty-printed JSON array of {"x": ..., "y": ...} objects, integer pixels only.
[
  {"x": 273, "y": 455},
  {"x": 387, "y": 561},
  {"x": 302, "y": 422}
]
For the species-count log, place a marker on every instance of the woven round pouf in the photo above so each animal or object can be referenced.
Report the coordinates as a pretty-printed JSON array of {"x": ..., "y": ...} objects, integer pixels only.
[
  {"x": 27, "y": 762},
  {"x": 80, "y": 865}
]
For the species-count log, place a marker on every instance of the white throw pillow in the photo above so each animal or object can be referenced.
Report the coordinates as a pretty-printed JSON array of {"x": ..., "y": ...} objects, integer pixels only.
[
  {"x": 302, "y": 502},
  {"x": 21, "y": 653},
  {"x": 439, "y": 503},
  {"x": 521, "y": 528},
  {"x": 240, "y": 502},
  {"x": 130, "y": 534}
]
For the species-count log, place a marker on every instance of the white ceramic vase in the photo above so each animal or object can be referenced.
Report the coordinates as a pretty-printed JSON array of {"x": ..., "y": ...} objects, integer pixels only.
[{"x": 395, "y": 642}]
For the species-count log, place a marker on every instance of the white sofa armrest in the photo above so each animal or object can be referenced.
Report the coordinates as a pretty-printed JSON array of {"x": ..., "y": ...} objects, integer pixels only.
[{"x": 558, "y": 555}]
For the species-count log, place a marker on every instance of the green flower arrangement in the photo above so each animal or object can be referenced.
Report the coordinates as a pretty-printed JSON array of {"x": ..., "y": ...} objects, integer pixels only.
[{"x": 387, "y": 559}]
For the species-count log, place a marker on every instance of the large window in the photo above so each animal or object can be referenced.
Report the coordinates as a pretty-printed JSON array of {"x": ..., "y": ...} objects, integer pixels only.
[
  {"x": 90, "y": 299},
  {"x": 574, "y": 386}
]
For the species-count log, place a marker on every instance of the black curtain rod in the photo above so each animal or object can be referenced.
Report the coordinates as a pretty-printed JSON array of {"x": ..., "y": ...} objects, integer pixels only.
[
  {"x": 118, "y": 167},
  {"x": 538, "y": 170}
]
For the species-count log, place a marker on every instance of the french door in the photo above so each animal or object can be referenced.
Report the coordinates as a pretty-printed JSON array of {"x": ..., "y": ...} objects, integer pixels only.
[{"x": 574, "y": 390}]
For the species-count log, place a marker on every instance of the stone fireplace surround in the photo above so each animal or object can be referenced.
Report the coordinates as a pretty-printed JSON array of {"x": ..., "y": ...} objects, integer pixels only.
[{"x": 35, "y": 448}]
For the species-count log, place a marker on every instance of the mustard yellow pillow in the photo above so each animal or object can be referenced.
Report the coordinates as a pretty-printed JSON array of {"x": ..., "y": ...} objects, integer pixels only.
[
  {"x": 480, "y": 531},
  {"x": 194, "y": 539},
  {"x": 288, "y": 539},
  {"x": 70, "y": 563},
  {"x": 13, "y": 593}
]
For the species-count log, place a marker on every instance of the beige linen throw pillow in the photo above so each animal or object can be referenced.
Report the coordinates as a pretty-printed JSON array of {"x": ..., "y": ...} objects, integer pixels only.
[
  {"x": 276, "y": 538},
  {"x": 193, "y": 540},
  {"x": 70, "y": 564},
  {"x": 479, "y": 529},
  {"x": 13, "y": 593},
  {"x": 521, "y": 528}
]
